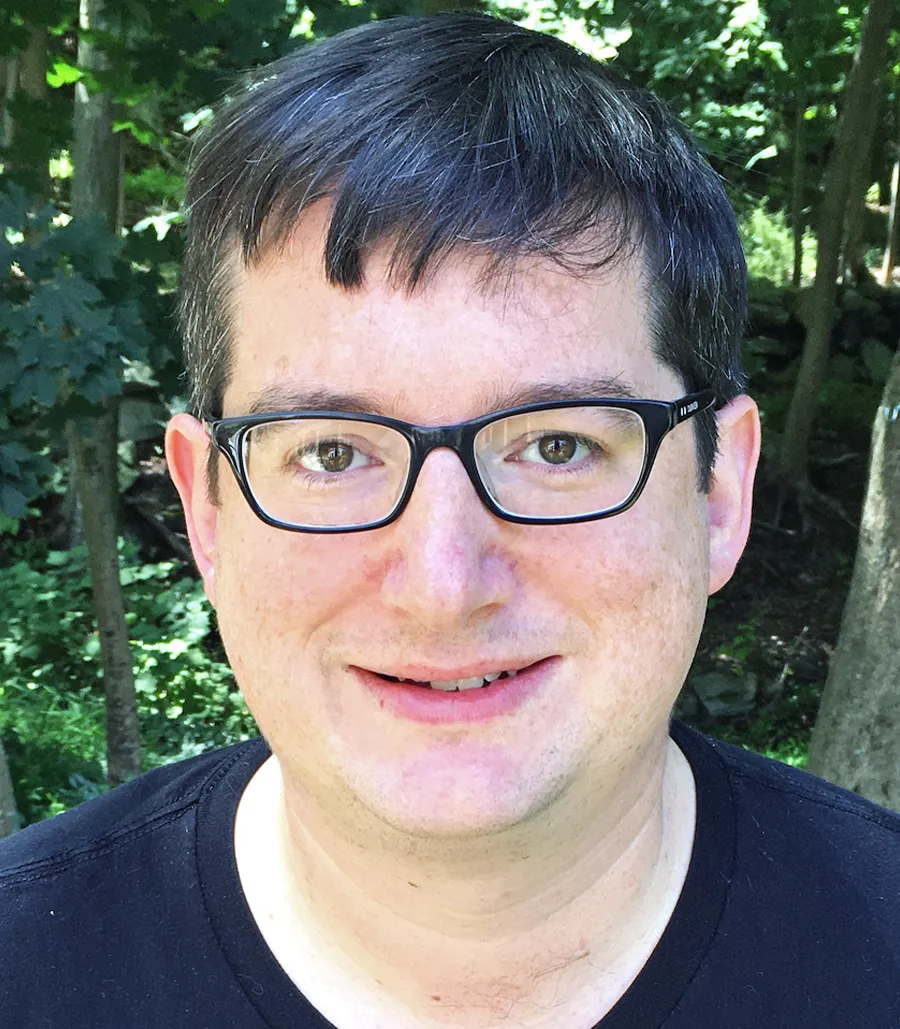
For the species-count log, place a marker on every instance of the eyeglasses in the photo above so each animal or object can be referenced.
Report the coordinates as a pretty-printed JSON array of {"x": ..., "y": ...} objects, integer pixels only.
[{"x": 538, "y": 464}]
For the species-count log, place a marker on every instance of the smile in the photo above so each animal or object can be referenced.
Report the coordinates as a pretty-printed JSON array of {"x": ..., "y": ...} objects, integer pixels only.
[
  {"x": 476, "y": 682},
  {"x": 437, "y": 696}
]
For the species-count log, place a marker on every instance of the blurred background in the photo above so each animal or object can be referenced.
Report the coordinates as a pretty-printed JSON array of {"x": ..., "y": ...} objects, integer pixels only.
[{"x": 109, "y": 658}]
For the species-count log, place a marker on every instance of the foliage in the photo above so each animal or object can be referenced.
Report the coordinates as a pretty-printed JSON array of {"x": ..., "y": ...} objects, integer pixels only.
[
  {"x": 778, "y": 734},
  {"x": 71, "y": 322},
  {"x": 51, "y": 698},
  {"x": 769, "y": 247}
]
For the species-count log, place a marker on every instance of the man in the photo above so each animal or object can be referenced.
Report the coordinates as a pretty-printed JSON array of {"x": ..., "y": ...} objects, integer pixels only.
[{"x": 463, "y": 316}]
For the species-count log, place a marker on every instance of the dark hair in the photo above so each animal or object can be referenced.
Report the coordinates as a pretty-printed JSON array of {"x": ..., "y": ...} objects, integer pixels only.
[{"x": 460, "y": 131}]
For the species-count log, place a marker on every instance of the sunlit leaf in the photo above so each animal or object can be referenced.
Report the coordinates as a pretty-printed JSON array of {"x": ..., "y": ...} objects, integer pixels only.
[
  {"x": 762, "y": 155},
  {"x": 63, "y": 74}
]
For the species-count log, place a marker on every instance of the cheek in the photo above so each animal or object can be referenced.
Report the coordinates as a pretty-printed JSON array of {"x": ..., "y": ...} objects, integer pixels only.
[
  {"x": 637, "y": 585},
  {"x": 276, "y": 590}
]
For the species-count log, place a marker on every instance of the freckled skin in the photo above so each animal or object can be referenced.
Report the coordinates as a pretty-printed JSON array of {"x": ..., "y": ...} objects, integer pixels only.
[
  {"x": 420, "y": 861},
  {"x": 621, "y": 599}
]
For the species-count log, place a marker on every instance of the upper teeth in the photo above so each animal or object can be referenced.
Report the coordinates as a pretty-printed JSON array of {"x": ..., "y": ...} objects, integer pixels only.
[{"x": 467, "y": 684}]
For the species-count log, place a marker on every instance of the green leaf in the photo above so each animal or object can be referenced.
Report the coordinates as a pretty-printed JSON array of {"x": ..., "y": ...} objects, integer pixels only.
[
  {"x": 13, "y": 502},
  {"x": 762, "y": 155},
  {"x": 141, "y": 133},
  {"x": 89, "y": 245},
  {"x": 10, "y": 367},
  {"x": 13, "y": 207},
  {"x": 101, "y": 384},
  {"x": 68, "y": 301},
  {"x": 35, "y": 385},
  {"x": 63, "y": 74}
]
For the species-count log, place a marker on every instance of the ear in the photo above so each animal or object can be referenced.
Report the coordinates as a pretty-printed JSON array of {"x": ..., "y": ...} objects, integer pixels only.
[
  {"x": 730, "y": 501},
  {"x": 187, "y": 450}
]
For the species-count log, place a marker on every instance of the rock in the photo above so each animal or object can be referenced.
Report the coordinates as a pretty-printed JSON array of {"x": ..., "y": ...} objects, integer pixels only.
[
  {"x": 723, "y": 694},
  {"x": 687, "y": 706},
  {"x": 853, "y": 302},
  {"x": 871, "y": 288},
  {"x": 878, "y": 360}
]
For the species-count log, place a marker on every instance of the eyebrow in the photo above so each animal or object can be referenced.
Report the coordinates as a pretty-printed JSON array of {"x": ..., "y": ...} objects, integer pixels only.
[{"x": 303, "y": 397}]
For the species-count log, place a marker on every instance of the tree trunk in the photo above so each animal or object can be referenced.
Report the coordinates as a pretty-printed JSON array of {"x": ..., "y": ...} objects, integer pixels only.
[
  {"x": 10, "y": 819},
  {"x": 97, "y": 489},
  {"x": 70, "y": 531},
  {"x": 856, "y": 739},
  {"x": 858, "y": 186},
  {"x": 96, "y": 149},
  {"x": 893, "y": 233},
  {"x": 26, "y": 72},
  {"x": 861, "y": 92},
  {"x": 798, "y": 182},
  {"x": 9, "y": 78},
  {"x": 96, "y": 190}
]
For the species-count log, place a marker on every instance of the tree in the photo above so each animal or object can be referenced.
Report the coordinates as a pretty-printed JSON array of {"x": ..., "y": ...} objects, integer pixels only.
[
  {"x": 27, "y": 134},
  {"x": 893, "y": 230},
  {"x": 9, "y": 814},
  {"x": 97, "y": 191},
  {"x": 861, "y": 94},
  {"x": 74, "y": 324},
  {"x": 856, "y": 740},
  {"x": 854, "y": 262}
]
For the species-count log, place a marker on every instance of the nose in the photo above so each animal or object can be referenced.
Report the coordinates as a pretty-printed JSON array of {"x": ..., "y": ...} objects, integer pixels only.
[{"x": 449, "y": 566}]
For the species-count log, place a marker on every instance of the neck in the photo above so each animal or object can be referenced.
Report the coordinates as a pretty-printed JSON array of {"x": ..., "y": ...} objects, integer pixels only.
[{"x": 469, "y": 931}]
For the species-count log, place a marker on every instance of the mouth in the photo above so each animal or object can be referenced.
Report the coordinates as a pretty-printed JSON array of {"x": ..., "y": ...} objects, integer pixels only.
[
  {"x": 459, "y": 685},
  {"x": 431, "y": 695}
]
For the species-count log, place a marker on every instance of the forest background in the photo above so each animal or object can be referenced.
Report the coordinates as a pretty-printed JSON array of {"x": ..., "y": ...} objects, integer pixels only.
[{"x": 109, "y": 658}]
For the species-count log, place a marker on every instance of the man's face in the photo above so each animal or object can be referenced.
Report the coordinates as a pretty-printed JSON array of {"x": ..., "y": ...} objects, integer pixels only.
[{"x": 617, "y": 604}]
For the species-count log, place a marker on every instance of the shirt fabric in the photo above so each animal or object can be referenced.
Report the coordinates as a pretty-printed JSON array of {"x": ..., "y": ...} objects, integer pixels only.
[{"x": 127, "y": 912}]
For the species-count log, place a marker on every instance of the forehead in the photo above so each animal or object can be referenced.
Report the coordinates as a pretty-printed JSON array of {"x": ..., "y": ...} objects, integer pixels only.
[{"x": 444, "y": 351}]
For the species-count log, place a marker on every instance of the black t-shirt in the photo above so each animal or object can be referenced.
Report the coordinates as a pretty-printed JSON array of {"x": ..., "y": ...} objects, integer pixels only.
[{"x": 127, "y": 913}]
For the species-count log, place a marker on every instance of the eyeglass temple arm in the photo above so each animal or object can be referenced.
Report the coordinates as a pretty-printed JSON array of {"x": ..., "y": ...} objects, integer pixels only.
[{"x": 692, "y": 404}]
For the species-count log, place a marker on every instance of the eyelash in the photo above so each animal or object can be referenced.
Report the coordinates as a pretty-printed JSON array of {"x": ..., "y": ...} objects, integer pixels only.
[{"x": 593, "y": 448}]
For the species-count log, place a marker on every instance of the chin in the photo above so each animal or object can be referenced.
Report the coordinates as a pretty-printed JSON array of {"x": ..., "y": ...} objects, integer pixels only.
[{"x": 450, "y": 802}]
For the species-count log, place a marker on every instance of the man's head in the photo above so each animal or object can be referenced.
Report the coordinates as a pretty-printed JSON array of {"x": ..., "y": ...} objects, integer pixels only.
[
  {"x": 432, "y": 218},
  {"x": 463, "y": 135}
]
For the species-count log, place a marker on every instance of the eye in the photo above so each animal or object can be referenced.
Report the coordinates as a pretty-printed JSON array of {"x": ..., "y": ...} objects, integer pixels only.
[
  {"x": 559, "y": 448},
  {"x": 330, "y": 456}
]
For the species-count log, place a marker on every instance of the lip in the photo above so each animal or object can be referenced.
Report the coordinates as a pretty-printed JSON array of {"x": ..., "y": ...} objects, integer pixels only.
[
  {"x": 431, "y": 673},
  {"x": 434, "y": 707}
]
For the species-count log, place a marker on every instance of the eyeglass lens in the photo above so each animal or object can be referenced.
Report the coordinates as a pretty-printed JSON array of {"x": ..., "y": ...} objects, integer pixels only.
[{"x": 558, "y": 463}]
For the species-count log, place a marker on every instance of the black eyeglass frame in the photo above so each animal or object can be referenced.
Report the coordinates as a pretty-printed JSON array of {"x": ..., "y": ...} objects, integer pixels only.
[{"x": 659, "y": 418}]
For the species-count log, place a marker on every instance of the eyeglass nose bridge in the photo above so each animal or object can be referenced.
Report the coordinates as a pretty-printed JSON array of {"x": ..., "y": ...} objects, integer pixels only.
[
  {"x": 427, "y": 438},
  {"x": 458, "y": 438}
]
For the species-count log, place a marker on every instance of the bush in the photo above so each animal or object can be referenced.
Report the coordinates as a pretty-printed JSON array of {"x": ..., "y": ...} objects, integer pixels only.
[
  {"x": 52, "y": 711},
  {"x": 769, "y": 247}
]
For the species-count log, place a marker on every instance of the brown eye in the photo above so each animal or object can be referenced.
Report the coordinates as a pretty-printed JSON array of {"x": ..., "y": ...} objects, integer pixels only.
[
  {"x": 334, "y": 457},
  {"x": 557, "y": 449}
]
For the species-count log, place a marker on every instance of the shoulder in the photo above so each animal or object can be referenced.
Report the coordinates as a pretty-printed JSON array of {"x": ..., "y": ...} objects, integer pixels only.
[
  {"x": 148, "y": 802},
  {"x": 807, "y": 833},
  {"x": 778, "y": 784},
  {"x": 109, "y": 900},
  {"x": 808, "y": 930}
]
